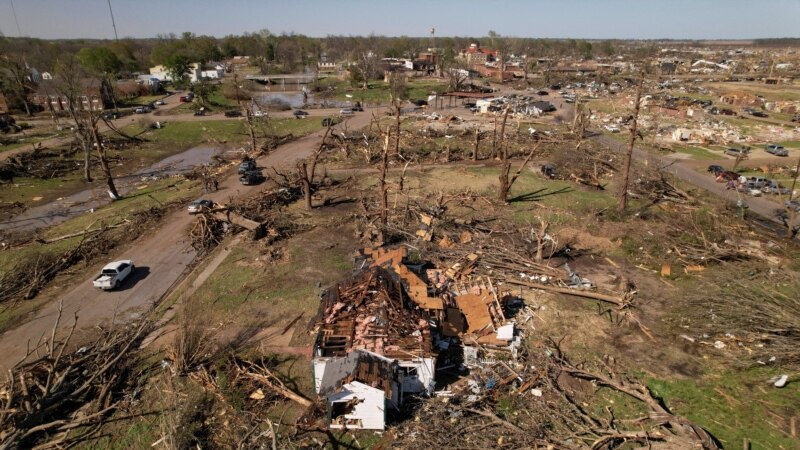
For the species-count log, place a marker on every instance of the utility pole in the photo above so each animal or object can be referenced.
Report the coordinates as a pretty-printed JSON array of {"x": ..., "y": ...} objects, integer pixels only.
[
  {"x": 114, "y": 25},
  {"x": 14, "y": 12}
]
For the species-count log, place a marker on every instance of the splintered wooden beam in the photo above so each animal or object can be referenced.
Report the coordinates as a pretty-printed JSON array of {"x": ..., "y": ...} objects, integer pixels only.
[{"x": 619, "y": 301}]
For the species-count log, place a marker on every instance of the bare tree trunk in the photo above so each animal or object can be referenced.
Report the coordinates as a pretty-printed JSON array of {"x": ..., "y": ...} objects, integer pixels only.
[
  {"x": 792, "y": 214},
  {"x": 302, "y": 169},
  {"x": 494, "y": 138},
  {"x": 307, "y": 176},
  {"x": 397, "y": 129},
  {"x": 540, "y": 242},
  {"x": 504, "y": 184},
  {"x": 477, "y": 144},
  {"x": 382, "y": 181},
  {"x": 626, "y": 168},
  {"x": 249, "y": 119},
  {"x": 112, "y": 188}
]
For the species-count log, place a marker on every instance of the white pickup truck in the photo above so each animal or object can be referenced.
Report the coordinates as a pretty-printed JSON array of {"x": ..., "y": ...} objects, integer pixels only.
[{"x": 113, "y": 274}]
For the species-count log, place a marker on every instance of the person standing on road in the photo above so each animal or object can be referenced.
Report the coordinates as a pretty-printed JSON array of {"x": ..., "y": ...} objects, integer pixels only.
[{"x": 216, "y": 184}]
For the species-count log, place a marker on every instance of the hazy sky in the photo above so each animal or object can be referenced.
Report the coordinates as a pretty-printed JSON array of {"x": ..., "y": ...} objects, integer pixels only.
[{"x": 598, "y": 19}]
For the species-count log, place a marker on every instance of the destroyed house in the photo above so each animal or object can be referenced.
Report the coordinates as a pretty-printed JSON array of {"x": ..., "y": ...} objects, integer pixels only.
[{"x": 371, "y": 338}]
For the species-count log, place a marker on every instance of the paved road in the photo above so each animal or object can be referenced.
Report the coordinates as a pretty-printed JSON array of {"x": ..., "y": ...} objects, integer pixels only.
[
  {"x": 160, "y": 260},
  {"x": 687, "y": 170}
]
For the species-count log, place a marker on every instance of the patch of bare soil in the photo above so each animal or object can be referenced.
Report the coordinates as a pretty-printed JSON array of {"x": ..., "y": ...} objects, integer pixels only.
[{"x": 584, "y": 240}]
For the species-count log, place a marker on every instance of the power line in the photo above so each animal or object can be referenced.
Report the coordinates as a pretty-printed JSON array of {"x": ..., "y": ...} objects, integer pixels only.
[
  {"x": 112, "y": 20},
  {"x": 14, "y": 12}
]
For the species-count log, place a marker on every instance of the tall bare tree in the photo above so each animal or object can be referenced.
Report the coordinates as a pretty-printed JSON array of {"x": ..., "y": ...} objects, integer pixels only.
[
  {"x": 78, "y": 90},
  {"x": 306, "y": 174},
  {"x": 399, "y": 93},
  {"x": 17, "y": 80},
  {"x": 626, "y": 166},
  {"x": 505, "y": 181}
]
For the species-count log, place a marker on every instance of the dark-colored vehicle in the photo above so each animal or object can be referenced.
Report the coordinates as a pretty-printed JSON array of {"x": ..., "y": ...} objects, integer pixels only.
[
  {"x": 542, "y": 92},
  {"x": 776, "y": 150},
  {"x": 758, "y": 113},
  {"x": 555, "y": 87},
  {"x": 233, "y": 114},
  {"x": 796, "y": 118},
  {"x": 729, "y": 176},
  {"x": 773, "y": 187},
  {"x": 252, "y": 177},
  {"x": 183, "y": 99},
  {"x": 247, "y": 165},
  {"x": 548, "y": 170},
  {"x": 300, "y": 114},
  {"x": 715, "y": 169},
  {"x": 200, "y": 112},
  {"x": 424, "y": 103}
]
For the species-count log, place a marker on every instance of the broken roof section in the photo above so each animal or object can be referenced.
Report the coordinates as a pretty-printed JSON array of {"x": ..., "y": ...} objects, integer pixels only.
[{"x": 370, "y": 312}]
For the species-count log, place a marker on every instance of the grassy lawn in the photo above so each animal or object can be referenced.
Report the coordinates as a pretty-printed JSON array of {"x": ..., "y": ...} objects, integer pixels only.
[
  {"x": 33, "y": 136},
  {"x": 141, "y": 100},
  {"x": 697, "y": 152},
  {"x": 378, "y": 91},
  {"x": 750, "y": 407}
]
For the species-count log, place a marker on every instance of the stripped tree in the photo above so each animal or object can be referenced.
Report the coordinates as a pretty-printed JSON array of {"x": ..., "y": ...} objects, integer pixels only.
[{"x": 626, "y": 167}]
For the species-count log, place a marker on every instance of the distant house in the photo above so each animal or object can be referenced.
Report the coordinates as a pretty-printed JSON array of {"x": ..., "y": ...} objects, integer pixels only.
[
  {"x": 477, "y": 56},
  {"x": 327, "y": 67},
  {"x": 95, "y": 96},
  {"x": 161, "y": 72}
]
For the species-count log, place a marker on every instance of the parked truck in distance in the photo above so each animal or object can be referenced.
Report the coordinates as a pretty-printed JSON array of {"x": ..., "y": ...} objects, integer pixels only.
[{"x": 113, "y": 274}]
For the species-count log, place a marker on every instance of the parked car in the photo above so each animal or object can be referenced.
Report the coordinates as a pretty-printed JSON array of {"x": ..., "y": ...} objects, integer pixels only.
[
  {"x": 140, "y": 110},
  {"x": 793, "y": 204},
  {"x": 758, "y": 182},
  {"x": 715, "y": 169},
  {"x": 247, "y": 165},
  {"x": 346, "y": 111},
  {"x": 200, "y": 205},
  {"x": 252, "y": 177},
  {"x": 612, "y": 128},
  {"x": 200, "y": 112},
  {"x": 542, "y": 92},
  {"x": 300, "y": 114},
  {"x": 732, "y": 151},
  {"x": 425, "y": 103},
  {"x": 776, "y": 150},
  {"x": 160, "y": 102},
  {"x": 113, "y": 274},
  {"x": 259, "y": 113},
  {"x": 233, "y": 113},
  {"x": 773, "y": 187},
  {"x": 183, "y": 99},
  {"x": 757, "y": 113}
]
